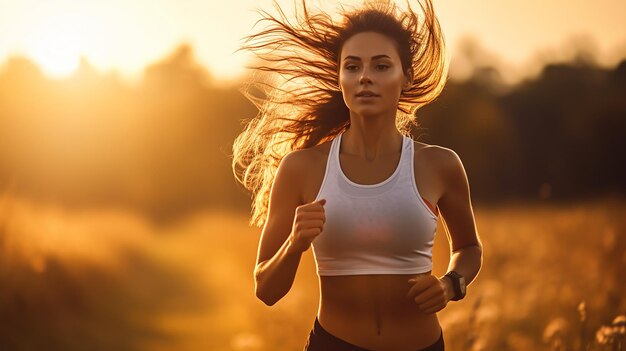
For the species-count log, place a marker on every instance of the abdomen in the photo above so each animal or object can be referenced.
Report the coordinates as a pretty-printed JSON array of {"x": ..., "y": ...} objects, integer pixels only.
[{"x": 372, "y": 311}]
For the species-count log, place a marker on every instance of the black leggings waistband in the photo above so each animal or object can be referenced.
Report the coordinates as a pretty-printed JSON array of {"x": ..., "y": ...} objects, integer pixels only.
[{"x": 320, "y": 339}]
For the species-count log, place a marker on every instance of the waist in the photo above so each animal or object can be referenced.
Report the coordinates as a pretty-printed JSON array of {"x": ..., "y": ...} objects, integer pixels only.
[{"x": 373, "y": 310}]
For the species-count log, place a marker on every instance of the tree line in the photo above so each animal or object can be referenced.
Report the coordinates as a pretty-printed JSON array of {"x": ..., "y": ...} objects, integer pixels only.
[{"x": 163, "y": 146}]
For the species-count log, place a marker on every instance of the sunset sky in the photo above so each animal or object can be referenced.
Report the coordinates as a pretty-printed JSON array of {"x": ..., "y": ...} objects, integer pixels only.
[{"x": 126, "y": 35}]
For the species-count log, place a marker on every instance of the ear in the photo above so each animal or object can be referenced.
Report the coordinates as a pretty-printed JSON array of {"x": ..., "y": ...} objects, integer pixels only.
[{"x": 408, "y": 79}]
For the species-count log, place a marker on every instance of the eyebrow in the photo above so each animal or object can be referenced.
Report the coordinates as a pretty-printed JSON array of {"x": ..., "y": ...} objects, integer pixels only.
[{"x": 359, "y": 59}]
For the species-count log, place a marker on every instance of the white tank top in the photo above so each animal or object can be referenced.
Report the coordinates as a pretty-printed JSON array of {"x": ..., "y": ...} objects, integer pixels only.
[{"x": 383, "y": 228}]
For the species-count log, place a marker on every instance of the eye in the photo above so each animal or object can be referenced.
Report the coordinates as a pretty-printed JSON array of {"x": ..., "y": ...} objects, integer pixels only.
[
  {"x": 351, "y": 67},
  {"x": 382, "y": 67}
]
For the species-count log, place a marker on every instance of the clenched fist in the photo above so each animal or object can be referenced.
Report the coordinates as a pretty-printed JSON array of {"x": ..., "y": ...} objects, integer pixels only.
[
  {"x": 308, "y": 223},
  {"x": 430, "y": 293}
]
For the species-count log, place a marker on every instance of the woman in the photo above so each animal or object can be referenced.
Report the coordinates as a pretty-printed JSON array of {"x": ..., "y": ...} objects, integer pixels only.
[{"x": 331, "y": 166}]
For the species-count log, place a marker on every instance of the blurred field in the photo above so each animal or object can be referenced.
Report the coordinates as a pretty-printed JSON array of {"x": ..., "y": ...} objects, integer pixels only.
[{"x": 111, "y": 280}]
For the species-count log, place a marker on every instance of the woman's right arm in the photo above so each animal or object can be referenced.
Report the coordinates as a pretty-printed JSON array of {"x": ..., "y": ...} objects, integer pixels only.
[{"x": 288, "y": 231}]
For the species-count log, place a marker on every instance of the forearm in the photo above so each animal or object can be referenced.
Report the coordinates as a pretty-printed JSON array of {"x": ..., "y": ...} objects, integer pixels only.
[
  {"x": 274, "y": 277},
  {"x": 467, "y": 262}
]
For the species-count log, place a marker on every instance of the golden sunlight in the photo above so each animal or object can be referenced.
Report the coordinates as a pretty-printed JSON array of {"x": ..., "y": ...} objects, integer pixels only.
[
  {"x": 58, "y": 40},
  {"x": 127, "y": 36}
]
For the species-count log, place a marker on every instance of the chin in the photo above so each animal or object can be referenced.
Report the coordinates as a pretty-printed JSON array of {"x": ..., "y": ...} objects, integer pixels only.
[{"x": 367, "y": 111}]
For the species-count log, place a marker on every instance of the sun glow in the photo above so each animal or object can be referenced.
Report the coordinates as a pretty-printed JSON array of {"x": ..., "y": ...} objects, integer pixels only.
[
  {"x": 58, "y": 42},
  {"x": 127, "y": 36}
]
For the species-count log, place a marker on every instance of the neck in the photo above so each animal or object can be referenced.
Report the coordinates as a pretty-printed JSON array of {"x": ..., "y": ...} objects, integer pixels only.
[{"x": 371, "y": 138}]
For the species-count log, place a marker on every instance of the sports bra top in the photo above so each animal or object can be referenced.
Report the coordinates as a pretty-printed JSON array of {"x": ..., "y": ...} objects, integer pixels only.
[{"x": 383, "y": 228}]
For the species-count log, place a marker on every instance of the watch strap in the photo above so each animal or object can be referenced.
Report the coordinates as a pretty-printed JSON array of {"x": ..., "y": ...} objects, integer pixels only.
[{"x": 456, "y": 285}]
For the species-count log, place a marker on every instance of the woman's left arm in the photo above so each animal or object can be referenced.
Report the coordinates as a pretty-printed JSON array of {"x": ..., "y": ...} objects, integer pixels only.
[
  {"x": 458, "y": 217},
  {"x": 431, "y": 293}
]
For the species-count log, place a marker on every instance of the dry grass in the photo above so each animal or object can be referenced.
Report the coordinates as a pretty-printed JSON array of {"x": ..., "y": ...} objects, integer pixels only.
[{"x": 109, "y": 280}]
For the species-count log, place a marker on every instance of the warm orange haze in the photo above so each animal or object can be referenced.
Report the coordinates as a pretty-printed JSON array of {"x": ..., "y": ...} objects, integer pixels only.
[
  {"x": 122, "y": 227},
  {"x": 126, "y": 36}
]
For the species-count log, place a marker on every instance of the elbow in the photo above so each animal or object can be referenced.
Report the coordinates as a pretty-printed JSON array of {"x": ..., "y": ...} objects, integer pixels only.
[
  {"x": 266, "y": 299},
  {"x": 263, "y": 294}
]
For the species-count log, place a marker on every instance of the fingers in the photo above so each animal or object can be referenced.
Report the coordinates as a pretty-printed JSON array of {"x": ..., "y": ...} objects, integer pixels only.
[
  {"x": 427, "y": 293},
  {"x": 312, "y": 223},
  {"x": 301, "y": 226},
  {"x": 311, "y": 216},
  {"x": 418, "y": 285},
  {"x": 433, "y": 308},
  {"x": 310, "y": 233},
  {"x": 308, "y": 223},
  {"x": 311, "y": 212},
  {"x": 428, "y": 296},
  {"x": 312, "y": 206},
  {"x": 430, "y": 301}
]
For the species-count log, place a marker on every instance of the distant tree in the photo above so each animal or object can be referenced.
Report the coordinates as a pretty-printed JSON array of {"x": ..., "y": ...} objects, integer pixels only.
[{"x": 163, "y": 146}]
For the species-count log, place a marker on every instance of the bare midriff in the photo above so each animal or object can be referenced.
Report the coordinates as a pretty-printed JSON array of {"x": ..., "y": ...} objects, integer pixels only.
[{"x": 373, "y": 312}]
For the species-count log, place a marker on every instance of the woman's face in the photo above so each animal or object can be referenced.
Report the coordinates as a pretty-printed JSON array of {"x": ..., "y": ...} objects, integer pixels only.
[{"x": 370, "y": 74}]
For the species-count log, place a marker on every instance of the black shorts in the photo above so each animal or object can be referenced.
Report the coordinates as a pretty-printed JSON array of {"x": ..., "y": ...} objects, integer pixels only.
[{"x": 321, "y": 340}]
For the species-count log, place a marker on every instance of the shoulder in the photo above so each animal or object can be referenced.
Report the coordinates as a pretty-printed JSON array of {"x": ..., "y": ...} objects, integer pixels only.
[
  {"x": 444, "y": 161},
  {"x": 302, "y": 170},
  {"x": 303, "y": 159},
  {"x": 441, "y": 155}
]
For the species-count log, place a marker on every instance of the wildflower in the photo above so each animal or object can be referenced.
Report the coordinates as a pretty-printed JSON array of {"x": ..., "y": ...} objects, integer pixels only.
[
  {"x": 619, "y": 325},
  {"x": 605, "y": 335},
  {"x": 582, "y": 311},
  {"x": 555, "y": 332},
  {"x": 609, "y": 334},
  {"x": 557, "y": 328},
  {"x": 583, "y": 339}
]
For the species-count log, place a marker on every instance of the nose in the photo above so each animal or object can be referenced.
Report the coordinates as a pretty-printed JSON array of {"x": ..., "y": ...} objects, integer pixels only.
[{"x": 365, "y": 77}]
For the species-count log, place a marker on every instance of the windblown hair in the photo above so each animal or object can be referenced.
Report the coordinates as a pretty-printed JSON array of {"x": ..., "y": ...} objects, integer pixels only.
[{"x": 296, "y": 83}]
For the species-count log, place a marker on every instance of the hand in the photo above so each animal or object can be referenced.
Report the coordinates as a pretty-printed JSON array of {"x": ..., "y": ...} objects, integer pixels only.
[
  {"x": 430, "y": 293},
  {"x": 308, "y": 223}
]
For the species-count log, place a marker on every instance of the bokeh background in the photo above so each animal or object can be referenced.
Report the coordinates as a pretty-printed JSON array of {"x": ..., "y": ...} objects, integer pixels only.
[{"x": 122, "y": 228}]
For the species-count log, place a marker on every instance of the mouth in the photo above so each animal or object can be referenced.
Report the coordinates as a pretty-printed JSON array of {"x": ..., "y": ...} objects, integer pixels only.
[{"x": 365, "y": 94}]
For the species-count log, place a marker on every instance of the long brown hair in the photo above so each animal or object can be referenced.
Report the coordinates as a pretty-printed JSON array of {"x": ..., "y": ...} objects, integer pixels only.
[{"x": 295, "y": 84}]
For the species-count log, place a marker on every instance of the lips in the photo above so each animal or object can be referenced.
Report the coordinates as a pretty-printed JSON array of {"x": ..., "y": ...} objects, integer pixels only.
[{"x": 366, "y": 93}]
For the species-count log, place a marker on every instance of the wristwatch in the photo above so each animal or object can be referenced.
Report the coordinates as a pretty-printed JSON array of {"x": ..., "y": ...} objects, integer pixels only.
[{"x": 458, "y": 285}]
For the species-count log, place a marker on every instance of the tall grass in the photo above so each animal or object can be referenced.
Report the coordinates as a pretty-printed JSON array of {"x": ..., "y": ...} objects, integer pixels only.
[{"x": 111, "y": 280}]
